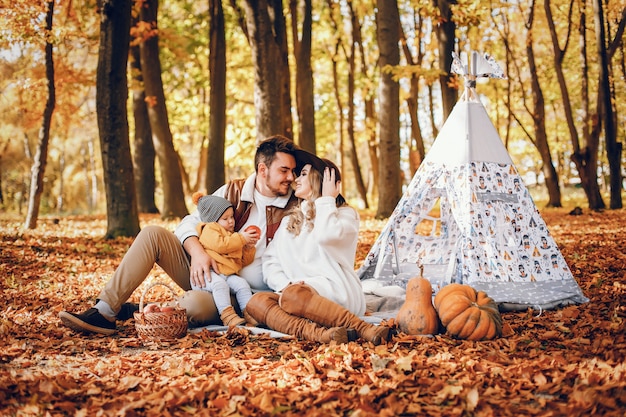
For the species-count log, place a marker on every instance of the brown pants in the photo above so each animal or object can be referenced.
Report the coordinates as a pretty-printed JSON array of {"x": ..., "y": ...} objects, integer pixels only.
[{"x": 154, "y": 245}]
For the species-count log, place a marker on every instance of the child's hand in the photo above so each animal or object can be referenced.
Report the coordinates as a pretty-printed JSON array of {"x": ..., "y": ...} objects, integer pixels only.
[{"x": 251, "y": 235}]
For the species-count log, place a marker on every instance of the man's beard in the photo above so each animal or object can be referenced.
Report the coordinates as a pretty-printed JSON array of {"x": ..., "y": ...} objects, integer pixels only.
[{"x": 278, "y": 191}]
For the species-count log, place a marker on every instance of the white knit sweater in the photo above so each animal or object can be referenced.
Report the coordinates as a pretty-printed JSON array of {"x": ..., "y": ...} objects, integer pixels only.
[{"x": 323, "y": 257}]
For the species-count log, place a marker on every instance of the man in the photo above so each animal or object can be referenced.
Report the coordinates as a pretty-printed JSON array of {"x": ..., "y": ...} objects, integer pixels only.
[{"x": 262, "y": 200}]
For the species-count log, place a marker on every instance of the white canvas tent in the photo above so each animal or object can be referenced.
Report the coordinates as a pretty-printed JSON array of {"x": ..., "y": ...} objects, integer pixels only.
[{"x": 467, "y": 217}]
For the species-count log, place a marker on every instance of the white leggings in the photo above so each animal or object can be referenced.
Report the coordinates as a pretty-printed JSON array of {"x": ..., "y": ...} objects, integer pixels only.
[{"x": 221, "y": 286}]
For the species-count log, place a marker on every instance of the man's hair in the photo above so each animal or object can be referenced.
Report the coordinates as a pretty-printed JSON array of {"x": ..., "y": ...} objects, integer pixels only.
[{"x": 266, "y": 151}]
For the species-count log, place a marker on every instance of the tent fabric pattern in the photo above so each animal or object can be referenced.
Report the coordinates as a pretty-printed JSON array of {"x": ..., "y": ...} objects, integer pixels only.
[{"x": 468, "y": 217}]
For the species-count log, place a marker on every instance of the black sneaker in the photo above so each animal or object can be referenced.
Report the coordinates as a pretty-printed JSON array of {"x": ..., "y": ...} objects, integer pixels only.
[
  {"x": 91, "y": 321},
  {"x": 127, "y": 311}
]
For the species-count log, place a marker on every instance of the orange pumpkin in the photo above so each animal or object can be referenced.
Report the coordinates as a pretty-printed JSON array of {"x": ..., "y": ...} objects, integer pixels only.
[
  {"x": 417, "y": 315},
  {"x": 467, "y": 313}
]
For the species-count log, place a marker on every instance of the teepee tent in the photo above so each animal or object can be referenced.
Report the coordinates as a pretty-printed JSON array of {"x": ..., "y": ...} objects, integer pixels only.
[{"x": 467, "y": 217}]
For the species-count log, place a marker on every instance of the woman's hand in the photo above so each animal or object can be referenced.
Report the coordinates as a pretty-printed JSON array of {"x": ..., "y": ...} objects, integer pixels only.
[{"x": 330, "y": 187}]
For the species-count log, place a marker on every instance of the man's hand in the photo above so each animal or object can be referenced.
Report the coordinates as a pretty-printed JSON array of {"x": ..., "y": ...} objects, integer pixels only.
[{"x": 201, "y": 262}]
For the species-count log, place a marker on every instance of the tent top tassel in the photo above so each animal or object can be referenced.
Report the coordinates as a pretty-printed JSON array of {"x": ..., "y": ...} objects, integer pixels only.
[{"x": 480, "y": 66}]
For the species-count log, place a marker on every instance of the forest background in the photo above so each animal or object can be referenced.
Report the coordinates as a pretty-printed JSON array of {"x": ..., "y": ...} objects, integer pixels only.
[
  {"x": 89, "y": 93},
  {"x": 92, "y": 92}
]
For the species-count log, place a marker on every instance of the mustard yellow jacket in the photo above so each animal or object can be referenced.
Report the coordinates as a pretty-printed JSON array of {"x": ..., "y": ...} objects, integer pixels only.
[{"x": 228, "y": 249}]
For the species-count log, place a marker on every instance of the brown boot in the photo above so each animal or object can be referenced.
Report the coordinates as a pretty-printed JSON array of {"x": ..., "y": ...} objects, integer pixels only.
[
  {"x": 250, "y": 321},
  {"x": 302, "y": 300},
  {"x": 263, "y": 307},
  {"x": 230, "y": 317}
]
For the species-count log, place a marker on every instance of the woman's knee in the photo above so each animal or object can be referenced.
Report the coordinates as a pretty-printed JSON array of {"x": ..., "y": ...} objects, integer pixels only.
[{"x": 296, "y": 294}]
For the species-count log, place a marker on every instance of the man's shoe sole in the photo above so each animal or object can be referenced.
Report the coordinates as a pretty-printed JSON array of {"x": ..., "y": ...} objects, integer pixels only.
[{"x": 77, "y": 324}]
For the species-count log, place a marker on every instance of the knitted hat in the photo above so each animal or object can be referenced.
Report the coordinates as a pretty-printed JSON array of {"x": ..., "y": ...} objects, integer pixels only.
[{"x": 210, "y": 207}]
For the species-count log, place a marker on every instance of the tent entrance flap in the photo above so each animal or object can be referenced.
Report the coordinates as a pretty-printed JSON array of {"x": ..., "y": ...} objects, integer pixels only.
[{"x": 424, "y": 244}]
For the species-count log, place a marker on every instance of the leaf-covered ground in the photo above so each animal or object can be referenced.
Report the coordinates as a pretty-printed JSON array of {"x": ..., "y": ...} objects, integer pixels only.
[{"x": 566, "y": 362}]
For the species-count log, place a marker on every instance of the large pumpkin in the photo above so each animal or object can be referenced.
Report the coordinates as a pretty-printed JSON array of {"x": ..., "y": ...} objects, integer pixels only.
[
  {"x": 467, "y": 313},
  {"x": 417, "y": 315}
]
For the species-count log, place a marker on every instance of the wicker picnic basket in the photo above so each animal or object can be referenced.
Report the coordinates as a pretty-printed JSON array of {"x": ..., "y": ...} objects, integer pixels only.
[{"x": 160, "y": 325}]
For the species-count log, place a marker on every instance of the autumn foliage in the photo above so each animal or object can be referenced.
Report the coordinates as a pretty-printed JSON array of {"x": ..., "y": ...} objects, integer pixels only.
[{"x": 565, "y": 362}]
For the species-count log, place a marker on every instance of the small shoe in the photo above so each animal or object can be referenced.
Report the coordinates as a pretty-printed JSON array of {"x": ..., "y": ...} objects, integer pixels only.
[
  {"x": 91, "y": 321},
  {"x": 127, "y": 311},
  {"x": 230, "y": 317}
]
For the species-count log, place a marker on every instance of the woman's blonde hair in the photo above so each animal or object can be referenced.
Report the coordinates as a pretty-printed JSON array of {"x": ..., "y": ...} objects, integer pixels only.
[{"x": 299, "y": 219}]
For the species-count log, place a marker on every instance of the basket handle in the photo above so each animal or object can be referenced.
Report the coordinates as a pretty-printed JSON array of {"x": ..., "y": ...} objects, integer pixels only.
[{"x": 154, "y": 284}]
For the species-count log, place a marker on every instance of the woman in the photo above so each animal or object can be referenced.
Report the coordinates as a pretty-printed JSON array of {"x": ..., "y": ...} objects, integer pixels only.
[{"x": 310, "y": 263}]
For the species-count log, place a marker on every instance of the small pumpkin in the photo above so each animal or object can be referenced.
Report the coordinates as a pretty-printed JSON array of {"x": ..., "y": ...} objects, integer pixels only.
[
  {"x": 467, "y": 313},
  {"x": 417, "y": 315}
]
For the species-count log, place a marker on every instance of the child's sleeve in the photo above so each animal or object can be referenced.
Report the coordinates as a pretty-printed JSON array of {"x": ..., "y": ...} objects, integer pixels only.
[
  {"x": 247, "y": 255},
  {"x": 225, "y": 244}
]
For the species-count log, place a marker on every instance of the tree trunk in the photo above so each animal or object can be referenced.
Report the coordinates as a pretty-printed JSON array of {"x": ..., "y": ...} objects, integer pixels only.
[
  {"x": 446, "y": 37},
  {"x": 539, "y": 120},
  {"x": 588, "y": 178},
  {"x": 354, "y": 158},
  {"x": 372, "y": 146},
  {"x": 367, "y": 100},
  {"x": 171, "y": 177},
  {"x": 265, "y": 55},
  {"x": 559, "y": 55},
  {"x": 284, "y": 74},
  {"x": 586, "y": 159},
  {"x": 417, "y": 151},
  {"x": 389, "y": 117},
  {"x": 613, "y": 148},
  {"x": 337, "y": 95},
  {"x": 304, "y": 74},
  {"x": 215, "y": 169},
  {"x": 2, "y": 153},
  {"x": 39, "y": 163},
  {"x": 111, "y": 97},
  {"x": 88, "y": 155},
  {"x": 60, "y": 201},
  {"x": 86, "y": 166},
  {"x": 431, "y": 111},
  {"x": 144, "y": 154}
]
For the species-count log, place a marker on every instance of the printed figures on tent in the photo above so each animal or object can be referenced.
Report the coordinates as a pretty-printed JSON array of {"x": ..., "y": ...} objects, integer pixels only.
[{"x": 468, "y": 217}]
